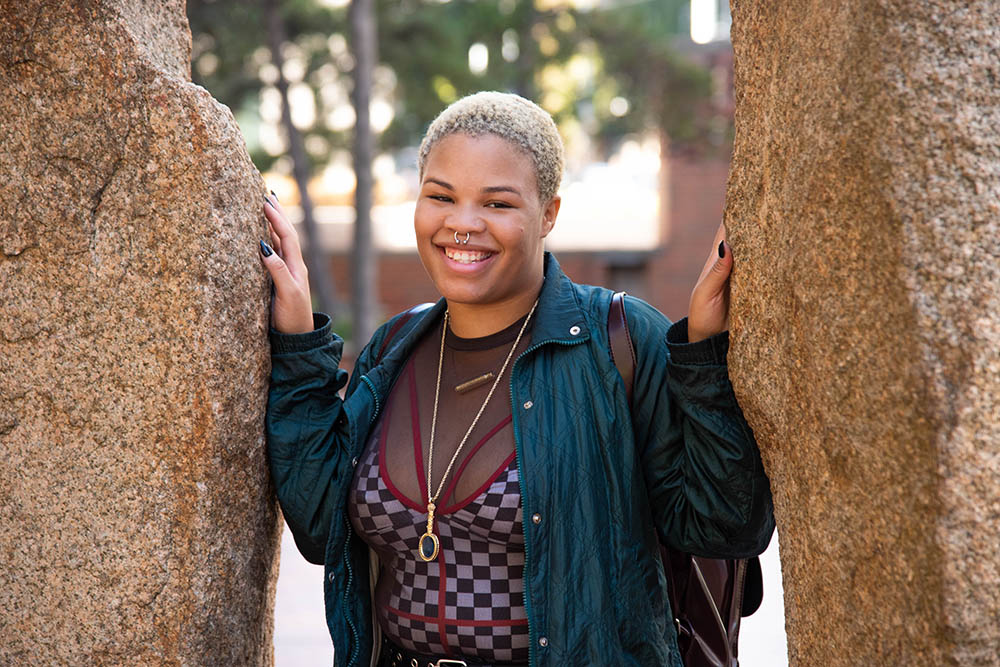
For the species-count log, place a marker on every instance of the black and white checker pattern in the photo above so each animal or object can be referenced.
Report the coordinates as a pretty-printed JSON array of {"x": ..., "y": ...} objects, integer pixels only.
[{"x": 482, "y": 552}]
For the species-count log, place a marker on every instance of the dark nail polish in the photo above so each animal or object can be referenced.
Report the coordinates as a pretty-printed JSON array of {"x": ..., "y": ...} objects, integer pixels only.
[
  {"x": 265, "y": 249},
  {"x": 274, "y": 195},
  {"x": 722, "y": 249},
  {"x": 268, "y": 201}
]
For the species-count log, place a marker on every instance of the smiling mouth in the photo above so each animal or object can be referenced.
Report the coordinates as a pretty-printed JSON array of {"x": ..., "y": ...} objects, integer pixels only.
[{"x": 467, "y": 256}]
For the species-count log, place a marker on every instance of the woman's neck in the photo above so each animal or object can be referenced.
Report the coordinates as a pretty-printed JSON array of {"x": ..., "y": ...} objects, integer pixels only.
[{"x": 473, "y": 320}]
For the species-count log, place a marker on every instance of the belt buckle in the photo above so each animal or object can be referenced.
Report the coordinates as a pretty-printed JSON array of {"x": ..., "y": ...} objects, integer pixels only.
[{"x": 443, "y": 662}]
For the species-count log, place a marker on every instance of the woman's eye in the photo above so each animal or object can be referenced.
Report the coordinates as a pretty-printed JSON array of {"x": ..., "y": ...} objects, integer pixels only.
[
  {"x": 499, "y": 204},
  {"x": 439, "y": 197}
]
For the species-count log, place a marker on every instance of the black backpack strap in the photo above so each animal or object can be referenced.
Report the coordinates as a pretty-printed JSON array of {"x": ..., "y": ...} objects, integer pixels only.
[
  {"x": 397, "y": 325},
  {"x": 753, "y": 588},
  {"x": 622, "y": 352}
]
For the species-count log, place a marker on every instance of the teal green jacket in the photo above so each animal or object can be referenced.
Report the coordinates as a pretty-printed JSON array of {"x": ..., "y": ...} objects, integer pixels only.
[{"x": 601, "y": 481}]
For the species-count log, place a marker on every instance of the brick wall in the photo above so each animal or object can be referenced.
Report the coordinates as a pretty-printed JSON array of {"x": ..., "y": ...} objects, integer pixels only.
[{"x": 697, "y": 197}]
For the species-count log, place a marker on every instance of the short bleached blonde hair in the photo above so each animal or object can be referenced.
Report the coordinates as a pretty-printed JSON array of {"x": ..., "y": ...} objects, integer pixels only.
[{"x": 521, "y": 122}]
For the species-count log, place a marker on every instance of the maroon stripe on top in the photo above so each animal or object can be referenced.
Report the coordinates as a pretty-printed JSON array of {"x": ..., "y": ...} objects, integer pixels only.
[
  {"x": 482, "y": 489},
  {"x": 468, "y": 457},
  {"x": 418, "y": 448},
  {"x": 418, "y": 457},
  {"x": 458, "y": 622},
  {"x": 383, "y": 469}
]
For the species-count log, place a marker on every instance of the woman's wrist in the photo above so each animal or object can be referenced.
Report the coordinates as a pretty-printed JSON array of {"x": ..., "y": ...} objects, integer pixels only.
[
  {"x": 291, "y": 324},
  {"x": 696, "y": 336},
  {"x": 297, "y": 329}
]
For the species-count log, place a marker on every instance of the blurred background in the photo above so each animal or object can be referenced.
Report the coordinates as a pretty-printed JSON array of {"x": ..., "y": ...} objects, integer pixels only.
[{"x": 333, "y": 97}]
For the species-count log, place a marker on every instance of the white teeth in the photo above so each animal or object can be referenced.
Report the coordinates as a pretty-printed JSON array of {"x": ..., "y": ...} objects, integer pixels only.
[{"x": 466, "y": 256}]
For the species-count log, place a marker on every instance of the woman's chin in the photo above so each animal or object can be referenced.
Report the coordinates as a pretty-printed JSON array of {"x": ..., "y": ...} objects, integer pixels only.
[
  {"x": 460, "y": 294},
  {"x": 465, "y": 282}
]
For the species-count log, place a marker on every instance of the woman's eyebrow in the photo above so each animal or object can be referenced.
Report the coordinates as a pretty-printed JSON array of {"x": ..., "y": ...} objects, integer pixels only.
[
  {"x": 502, "y": 188},
  {"x": 441, "y": 183},
  {"x": 486, "y": 190}
]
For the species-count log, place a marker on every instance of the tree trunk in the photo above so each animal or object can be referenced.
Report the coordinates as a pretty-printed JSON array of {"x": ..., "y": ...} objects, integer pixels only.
[
  {"x": 524, "y": 84},
  {"x": 363, "y": 274},
  {"x": 320, "y": 281}
]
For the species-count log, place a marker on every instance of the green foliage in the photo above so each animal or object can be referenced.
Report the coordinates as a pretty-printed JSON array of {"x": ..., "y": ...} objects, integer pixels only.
[
  {"x": 231, "y": 36},
  {"x": 427, "y": 45},
  {"x": 665, "y": 90},
  {"x": 424, "y": 46}
]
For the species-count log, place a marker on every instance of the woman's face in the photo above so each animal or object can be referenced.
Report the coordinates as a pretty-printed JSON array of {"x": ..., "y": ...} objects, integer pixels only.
[{"x": 484, "y": 187}]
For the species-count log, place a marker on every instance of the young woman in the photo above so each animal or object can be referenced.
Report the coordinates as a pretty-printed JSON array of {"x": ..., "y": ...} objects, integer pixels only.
[{"x": 486, "y": 494}]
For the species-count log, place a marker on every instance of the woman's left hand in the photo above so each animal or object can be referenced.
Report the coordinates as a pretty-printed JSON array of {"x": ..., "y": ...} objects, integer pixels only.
[{"x": 708, "y": 312}]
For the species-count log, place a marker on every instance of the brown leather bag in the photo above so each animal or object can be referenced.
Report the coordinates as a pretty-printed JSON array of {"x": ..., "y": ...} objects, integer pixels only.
[{"x": 708, "y": 596}]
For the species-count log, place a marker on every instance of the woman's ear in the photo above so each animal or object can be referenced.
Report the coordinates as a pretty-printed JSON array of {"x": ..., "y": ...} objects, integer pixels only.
[{"x": 549, "y": 215}]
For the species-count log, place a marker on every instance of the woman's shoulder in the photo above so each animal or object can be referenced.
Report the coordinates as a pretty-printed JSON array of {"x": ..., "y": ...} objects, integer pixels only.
[
  {"x": 642, "y": 316},
  {"x": 395, "y": 329}
]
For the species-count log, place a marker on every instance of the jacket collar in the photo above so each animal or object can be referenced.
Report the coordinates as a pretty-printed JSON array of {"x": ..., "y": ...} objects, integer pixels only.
[{"x": 559, "y": 316}]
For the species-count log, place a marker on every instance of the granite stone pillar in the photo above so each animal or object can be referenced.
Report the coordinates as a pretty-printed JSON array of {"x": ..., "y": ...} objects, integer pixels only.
[
  {"x": 864, "y": 212},
  {"x": 137, "y": 522}
]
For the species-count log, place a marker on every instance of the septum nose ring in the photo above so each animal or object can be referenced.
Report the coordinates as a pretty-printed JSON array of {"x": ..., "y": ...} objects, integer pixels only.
[{"x": 468, "y": 235}]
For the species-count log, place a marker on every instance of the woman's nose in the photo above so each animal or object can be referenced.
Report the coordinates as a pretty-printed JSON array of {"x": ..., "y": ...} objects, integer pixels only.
[{"x": 466, "y": 219}]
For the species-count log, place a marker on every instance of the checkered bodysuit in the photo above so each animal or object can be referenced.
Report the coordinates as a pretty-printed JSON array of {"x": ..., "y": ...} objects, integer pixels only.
[{"x": 469, "y": 601}]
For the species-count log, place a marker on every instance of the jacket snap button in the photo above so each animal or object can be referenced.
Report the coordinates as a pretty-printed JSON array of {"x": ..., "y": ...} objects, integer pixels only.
[
  {"x": 543, "y": 642},
  {"x": 527, "y": 405},
  {"x": 354, "y": 461},
  {"x": 574, "y": 330},
  {"x": 536, "y": 518},
  {"x": 332, "y": 577}
]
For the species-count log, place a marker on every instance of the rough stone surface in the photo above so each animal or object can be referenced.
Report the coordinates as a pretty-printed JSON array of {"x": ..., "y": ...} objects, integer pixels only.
[
  {"x": 864, "y": 212},
  {"x": 138, "y": 522}
]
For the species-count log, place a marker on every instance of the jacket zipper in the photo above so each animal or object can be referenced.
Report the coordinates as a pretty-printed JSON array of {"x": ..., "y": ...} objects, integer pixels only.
[
  {"x": 521, "y": 484},
  {"x": 378, "y": 405},
  {"x": 356, "y": 646}
]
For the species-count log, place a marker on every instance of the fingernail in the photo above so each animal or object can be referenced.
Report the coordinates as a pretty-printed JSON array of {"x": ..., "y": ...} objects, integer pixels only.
[
  {"x": 274, "y": 195},
  {"x": 265, "y": 249},
  {"x": 268, "y": 201},
  {"x": 722, "y": 249}
]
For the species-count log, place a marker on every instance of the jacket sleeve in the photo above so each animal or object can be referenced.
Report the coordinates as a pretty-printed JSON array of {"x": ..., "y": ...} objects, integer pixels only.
[
  {"x": 309, "y": 435},
  {"x": 707, "y": 488}
]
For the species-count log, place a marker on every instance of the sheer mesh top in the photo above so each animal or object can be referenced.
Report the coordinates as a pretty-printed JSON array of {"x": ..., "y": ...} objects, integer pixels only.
[{"x": 469, "y": 601}]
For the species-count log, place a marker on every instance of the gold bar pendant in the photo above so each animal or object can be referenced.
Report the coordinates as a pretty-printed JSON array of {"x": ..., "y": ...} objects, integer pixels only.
[{"x": 474, "y": 383}]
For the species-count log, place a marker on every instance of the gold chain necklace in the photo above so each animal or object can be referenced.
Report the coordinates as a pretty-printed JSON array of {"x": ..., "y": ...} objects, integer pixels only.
[{"x": 429, "y": 544}]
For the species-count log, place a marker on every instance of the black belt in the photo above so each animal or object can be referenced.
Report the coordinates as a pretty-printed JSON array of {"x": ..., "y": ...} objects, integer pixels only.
[{"x": 396, "y": 656}]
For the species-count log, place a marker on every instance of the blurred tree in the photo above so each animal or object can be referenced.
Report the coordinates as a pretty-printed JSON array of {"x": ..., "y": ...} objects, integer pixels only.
[
  {"x": 363, "y": 273},
  {"x": 425, "y": 55},
  {"x": 608, "y": 72},
  {"x": 238, "y": 49},
  {"x": 441, "y": 51},
  {"x": 320, "y": 280},
  {"x": 574, "y": 62},
  {"x": 661, "y": 88},
  {"x": 231, "y": 57}
]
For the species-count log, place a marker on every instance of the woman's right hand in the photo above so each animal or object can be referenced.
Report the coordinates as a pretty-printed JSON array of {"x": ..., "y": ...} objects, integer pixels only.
[{"x": 291, "y": 307}]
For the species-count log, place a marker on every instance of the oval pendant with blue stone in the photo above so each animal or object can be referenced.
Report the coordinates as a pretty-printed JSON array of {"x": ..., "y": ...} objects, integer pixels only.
[{"x": 428, "y": 547}]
